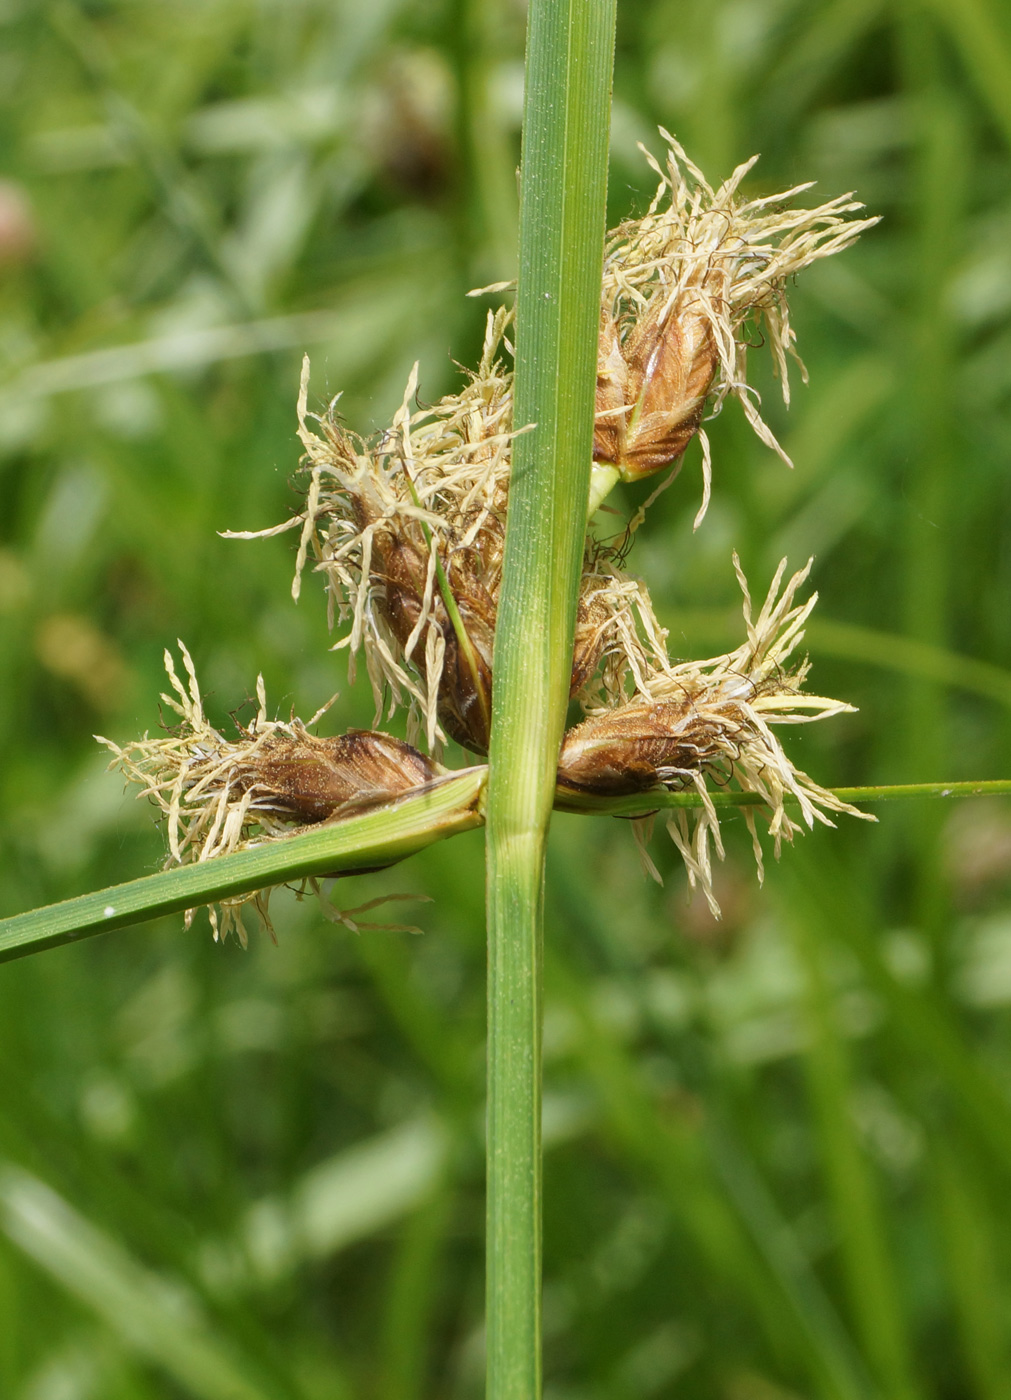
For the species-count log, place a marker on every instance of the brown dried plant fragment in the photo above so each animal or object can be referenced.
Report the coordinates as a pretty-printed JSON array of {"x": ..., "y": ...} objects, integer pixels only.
[
  {"x": 313, "y": 780},
  {"x": 685, "y": 290},
  {"x": 220, "y": 795},
  {"x": 651, "y": 390},
  {"x": 641, "y": 746},
  {"x": 408, "y": 529},
  {"x": 448, "y": 630},
  {"x": 698, "y": 722}
]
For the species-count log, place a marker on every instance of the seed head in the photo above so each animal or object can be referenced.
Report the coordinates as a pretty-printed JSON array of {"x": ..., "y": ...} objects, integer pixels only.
[
  {"x": 684, "y": 291},
  {"x": 408, "y": 530},
  {"x": 705, "y": 720},
  {"x": 220, "y": 795}
]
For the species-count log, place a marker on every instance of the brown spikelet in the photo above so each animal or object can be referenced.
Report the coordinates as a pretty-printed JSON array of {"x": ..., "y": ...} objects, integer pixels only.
[
  {"x": 313, "y": 780},
  {"x": 701, "y": 722},
  {"x": 594, "y": 627},
  {"x": 402, "y": 567},
  {"x": 220, "y": 795},
  {"x": 641, "y": 745},
  {"x": 685, "y": 289},
  {"x": 407, "y": 529},
  {"x": 651, "y": 389}
]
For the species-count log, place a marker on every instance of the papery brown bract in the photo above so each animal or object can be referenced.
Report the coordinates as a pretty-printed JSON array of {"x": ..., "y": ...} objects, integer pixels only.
[
  {"x": 651, "y": 389},
  {"x": 411, "y": 605},
  {"x": 593, "y": 630},
  {"x": 641, "y": 745},
  {"x": 315, "y": 779},
  {"x": 684, "y": 288}
]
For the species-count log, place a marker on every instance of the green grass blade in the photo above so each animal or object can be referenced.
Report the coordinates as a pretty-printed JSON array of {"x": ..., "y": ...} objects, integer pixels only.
[
  {"x": 921, "y": 660},
  {"x": 412, "y": 1295},
  {"x": 159, "y": 1321},
  {"x": 973, "y": 1270},
  {"x": 365, "y": 842},
  {"x": 871, "y": 1281},
  {"x": 974, "y": 27},
  {"x": 570, "y": 47},
  {"x": 814, "y": 1324}
]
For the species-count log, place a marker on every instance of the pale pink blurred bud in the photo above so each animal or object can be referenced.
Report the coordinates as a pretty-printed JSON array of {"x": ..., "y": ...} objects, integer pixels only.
[{"x": 18, "y": 231}]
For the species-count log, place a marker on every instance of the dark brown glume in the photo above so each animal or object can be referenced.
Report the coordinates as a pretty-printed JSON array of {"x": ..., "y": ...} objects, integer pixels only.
[
  {"x": 651, "y": 388},
  {"x": 314, "y": 779},
  {"x": 642, "y": 745},
  {"x": 400, "y": 563}
]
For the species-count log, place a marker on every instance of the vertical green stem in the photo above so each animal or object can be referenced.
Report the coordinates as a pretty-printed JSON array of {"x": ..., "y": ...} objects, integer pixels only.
[{"x": 570, "y": 45}]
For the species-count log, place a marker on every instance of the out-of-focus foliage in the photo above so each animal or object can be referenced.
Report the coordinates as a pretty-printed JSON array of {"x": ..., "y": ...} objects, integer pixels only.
[{"x": 778, "y": 1148}]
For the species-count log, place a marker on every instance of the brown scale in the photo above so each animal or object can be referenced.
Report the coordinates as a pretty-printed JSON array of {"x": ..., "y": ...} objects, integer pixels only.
[
  {"x": 400, "y": 561},
  {"x": 633, "y": 748},
  {"x": 593, "y": 617},
  {"x": 315, "y": 779},
  {"x": 651, "y": 388}
]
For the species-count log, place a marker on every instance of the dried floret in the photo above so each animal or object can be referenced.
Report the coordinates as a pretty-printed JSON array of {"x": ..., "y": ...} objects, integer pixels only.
[
  {"x": 408, "y": 529},
  {"x": 705, "y": 721},
  {"x": 220, "y": 795},
  {"x": 685, "y": 289}
]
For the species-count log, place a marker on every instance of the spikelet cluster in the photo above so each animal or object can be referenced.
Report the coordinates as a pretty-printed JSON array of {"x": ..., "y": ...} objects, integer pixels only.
[
  {"x": 686, "y": 289},
  {"x": 688, "y": 725},
  {"x": 408, "y": 528},
  {"x": 221, "y": 795}
]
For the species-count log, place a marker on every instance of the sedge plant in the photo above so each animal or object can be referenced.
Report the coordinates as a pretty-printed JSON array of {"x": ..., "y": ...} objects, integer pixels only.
[{"x": 457, "y": 561}]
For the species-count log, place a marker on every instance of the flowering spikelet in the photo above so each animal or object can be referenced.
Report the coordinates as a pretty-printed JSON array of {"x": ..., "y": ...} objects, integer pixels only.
[
  {"x": 219, "y": 795},
  {"x": 680, "y": 287},
  {"x": 702, "y": 720},
  {"x": 408, "y": 529}
]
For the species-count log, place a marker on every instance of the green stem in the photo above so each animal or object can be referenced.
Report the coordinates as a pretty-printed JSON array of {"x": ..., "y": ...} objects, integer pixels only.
[
  {"x": 366, "y": 842},
  {"x": 570, "y": 46},
  {"x": 590, "y": 805}
]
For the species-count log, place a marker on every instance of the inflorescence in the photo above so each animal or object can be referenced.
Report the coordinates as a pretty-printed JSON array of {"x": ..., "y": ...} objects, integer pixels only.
[{"x": 407, "y": 529}]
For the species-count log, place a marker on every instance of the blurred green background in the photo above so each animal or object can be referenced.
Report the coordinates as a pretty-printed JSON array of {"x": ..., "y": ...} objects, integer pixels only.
[{"x": 779, "y": 1147}]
